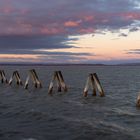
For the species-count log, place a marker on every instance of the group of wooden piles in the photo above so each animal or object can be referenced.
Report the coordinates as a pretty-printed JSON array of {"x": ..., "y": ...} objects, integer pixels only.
[
  {"x": 92, "y": 81},
  {"x": 57, "y": 78}
]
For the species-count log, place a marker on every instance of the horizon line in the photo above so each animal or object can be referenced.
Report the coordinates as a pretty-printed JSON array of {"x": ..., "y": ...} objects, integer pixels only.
[{"x": 67, "y": 64}]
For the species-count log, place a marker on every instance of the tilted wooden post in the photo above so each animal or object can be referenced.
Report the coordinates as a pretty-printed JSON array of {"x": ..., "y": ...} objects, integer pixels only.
[
  {"x": 98, "y": 85},
  {"x": 17, "y": 78},
  {"x": 58, "y": 77},
  {"x": 94, "y": 82},
  {"x": 3, "y": 77},
  {"x": 138, "y": 101},
  {"x": 90, "y": 82},
  {"x": 35, "y": 79},
  {"x": 62, "y": 82},
  {"x": 52, "y": 83}
]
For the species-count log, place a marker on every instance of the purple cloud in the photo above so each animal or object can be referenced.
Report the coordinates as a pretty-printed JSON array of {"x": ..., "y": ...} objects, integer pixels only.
[
  {"x": 63, "y": 17},
  {"x": 46, "y": 24}
]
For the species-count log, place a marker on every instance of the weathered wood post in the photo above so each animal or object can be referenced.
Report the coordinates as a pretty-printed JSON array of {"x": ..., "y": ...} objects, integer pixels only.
[
  {"x": 17, "y": 78},
  {"x": 58, "y": 77},
  {"x": 35, "y": 79},
  {"x": 62, "y": 82},
  {"x": 59, "y": 87},
  {"x": 90, "y": 82},
  {"x": 98, "y": 85},
  {"x": 3, "y": 77},
  {"x": 138, "y": 101},
  {"x": 94, "y": 82},
  {"x": 86, "y": 87}
]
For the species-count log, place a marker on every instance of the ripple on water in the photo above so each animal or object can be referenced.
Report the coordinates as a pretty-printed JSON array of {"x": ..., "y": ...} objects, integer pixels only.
[{"x": 34, "y": 115}]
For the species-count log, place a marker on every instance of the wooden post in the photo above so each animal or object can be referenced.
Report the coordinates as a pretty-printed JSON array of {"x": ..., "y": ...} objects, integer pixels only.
[
  {"x": 98, "y": 85},
  {"x": 86, "y": 87},
  {"x": 52, "y": 83},
  {"x": 59, "y": 87},
  {"x": 27, "y": 82},
  {"x": 35, "y": 79},
  {"x": 138, "y": 101},
  {"x": 94, "y": 82},
  {"x": 19, "y": 82},
  {"x": 58, "y": 77},
  {"x": 17, "y": 78},
  {"x": 93, "y": 85},
  {"x": 3, "y": 77},
  {"x": 61, "y": 79}
]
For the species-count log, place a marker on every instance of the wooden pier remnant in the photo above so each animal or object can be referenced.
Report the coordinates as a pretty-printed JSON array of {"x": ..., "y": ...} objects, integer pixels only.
[
  {"x": 94, "y": 82},
  {"x": 35, "y": 79},
  {"x": 58, "y": 77},
  {"x": 138, "y": 101},
  {"x": 17, "y": 78},
  {"x": 3, "y": 77}
]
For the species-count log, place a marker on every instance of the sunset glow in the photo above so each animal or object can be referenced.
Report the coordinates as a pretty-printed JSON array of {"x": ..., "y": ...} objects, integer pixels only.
[{"x": 94, "y": 31}]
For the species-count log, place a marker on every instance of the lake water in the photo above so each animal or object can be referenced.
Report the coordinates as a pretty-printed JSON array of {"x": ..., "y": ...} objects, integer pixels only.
[{"x": 35, "y": 115}]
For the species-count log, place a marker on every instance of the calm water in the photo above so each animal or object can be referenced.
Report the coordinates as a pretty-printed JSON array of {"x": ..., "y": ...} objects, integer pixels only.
[{"x": 34, "y": 115}]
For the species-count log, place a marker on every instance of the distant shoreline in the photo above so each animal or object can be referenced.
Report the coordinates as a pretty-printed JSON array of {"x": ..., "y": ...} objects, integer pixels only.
[{"x": 63, "y": 64}]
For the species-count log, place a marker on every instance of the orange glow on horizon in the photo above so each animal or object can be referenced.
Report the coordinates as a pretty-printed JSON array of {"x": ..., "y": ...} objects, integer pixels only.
[
  {"x": 106, "y": 47},
  {"x": 25, "y": 56}
]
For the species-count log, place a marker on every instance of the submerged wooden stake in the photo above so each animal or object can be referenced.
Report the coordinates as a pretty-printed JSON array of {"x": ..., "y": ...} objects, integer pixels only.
[
  {"x": 17, "y": 78},
  {"x": 35, "y": 79},
  {"x": 94, "y": 82},
  {"x": 3, "y": 77},
  {"x": 58, "y": 77}
]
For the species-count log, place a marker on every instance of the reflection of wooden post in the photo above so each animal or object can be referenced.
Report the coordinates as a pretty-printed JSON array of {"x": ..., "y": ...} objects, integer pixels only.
[
  {"x": 94, "y": 82},
  {"x": 35, "y": 79},
  {"x": 3, "y": 77},
  {"x": 17, "y": 78},
  {"x": 138, "y": 101},
  {"x": 58, "y": 77}
]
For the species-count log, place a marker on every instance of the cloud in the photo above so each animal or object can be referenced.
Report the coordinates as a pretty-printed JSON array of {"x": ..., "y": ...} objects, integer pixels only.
[
  {"x": 31, "y": 25},
  {"x": 123, "y": 35},
  {"x": 71, "y": 23},
  {"x": 58, "y": 17},
  {"x": 134, "y": 29},
  {"x": 38, "y": 49},
  {"x": 8, "y": 43},
  {"x": 37, "y": 57},
  {"x": 133, "y": 51}
]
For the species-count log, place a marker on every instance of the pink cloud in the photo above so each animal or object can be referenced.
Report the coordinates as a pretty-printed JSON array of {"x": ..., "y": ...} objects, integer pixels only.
[
  {"x": 72, "y": 23},
  {"x": 24, "y": 11},
  {"x": 88, "y": 18},
  {"x": 131, "y": 15},
  {"x": 6, "y": 10},
  {"x": 86, "y": 30},
  {"x": 51, "y": 31}
]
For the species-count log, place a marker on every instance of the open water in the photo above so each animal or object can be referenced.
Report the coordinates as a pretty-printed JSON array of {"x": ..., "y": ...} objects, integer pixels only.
[{"x": 35, "y": 115}]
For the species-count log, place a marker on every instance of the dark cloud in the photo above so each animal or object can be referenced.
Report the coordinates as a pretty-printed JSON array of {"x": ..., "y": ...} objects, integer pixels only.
[
  {"x": 31, "y": 25},
  {"x": 133, "y": 51},
  {"x": 123, "y": 35},
  {"x": 8, "y": 43},
  {"x": 42, "y": 52},
  {"x": 134, "y": 29}
]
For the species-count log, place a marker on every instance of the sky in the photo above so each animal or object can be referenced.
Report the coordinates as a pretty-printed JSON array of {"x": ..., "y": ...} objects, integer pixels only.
[{"x": 70, "y": 31}]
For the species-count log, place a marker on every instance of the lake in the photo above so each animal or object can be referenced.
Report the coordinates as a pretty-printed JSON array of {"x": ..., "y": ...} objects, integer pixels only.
[{"x": 35, "y": 115}]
